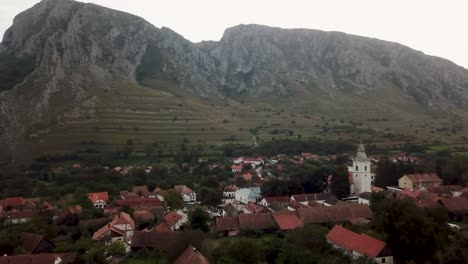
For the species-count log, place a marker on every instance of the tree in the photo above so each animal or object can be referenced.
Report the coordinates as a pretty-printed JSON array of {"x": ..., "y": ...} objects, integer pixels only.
[
  {"x": 199, "y": 219},
  {"x": 210, "y": 196},
  {"x": 410, "y": 228},
  {"x": 116, "y": 249},
  {"x": 340, "y": 183},
  {"x": 243, "y": 250},
  {"x": 173, "y": 200},
  {"x": 127, "y": 209}
]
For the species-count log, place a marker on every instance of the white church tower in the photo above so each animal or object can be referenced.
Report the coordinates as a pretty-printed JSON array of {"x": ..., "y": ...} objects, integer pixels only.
[{"x": 360, "y": 172}]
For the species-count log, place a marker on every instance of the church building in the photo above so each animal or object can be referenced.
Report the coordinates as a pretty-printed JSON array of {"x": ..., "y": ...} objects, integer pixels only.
[{"x": 360, "y": 172}]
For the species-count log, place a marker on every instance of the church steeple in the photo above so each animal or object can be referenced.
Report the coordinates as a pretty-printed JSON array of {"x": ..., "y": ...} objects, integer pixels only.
[{"x": 361, "y": 153}]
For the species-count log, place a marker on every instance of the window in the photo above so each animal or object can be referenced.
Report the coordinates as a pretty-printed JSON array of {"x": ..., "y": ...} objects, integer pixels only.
[
  {"x": 357, "y": 168},
  {"x": 383, "y": 260},
  {"x": 365, "y": 168}
]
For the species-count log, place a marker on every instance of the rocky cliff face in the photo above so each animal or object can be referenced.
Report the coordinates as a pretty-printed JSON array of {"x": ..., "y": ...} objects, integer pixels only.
[{"x": 76, "y": 47}]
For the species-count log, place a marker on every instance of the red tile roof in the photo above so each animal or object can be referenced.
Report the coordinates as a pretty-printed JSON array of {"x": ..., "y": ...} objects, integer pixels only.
[
  {"x": 296, "y": 205},
  {"x": 162, "y": 227},
  {"x": 227, "y": 223},
  {"x": 258, "y": 221},
  {"x": 135, "y": 202},
  {"x": 172, "y": 218},
  {"x": 96, "y": 196},
  {"x": 256, "y": 208},
  {"x": 120, "y": 219},
  {"x": 141, "y": 191},
  {"x": 14, "y": 201},
  {"x": 313, "y": 215},
  {"x": 182, "y": 189},
  {"x": 19, "y": 215},
  {"x": 30, "y": 259},
  {"x": 338, "y": 213},
  {"x": 171, "y": 243},
  {"x": 287, "y": 220},
  {"x": 456, "y": 204},
  {"x": 423, "y": 178},
  {"x": 191, "y": 256},
  {"x": 278, "y": 199},
  {"x": 362, "y": 244}
]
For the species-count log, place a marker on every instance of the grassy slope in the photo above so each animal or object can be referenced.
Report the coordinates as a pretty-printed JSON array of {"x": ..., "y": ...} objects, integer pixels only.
[{"x": 162, "y": 113}]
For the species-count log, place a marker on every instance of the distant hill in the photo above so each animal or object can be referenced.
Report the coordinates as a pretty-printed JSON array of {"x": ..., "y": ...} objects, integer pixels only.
[{"x": 72, "y": 73}]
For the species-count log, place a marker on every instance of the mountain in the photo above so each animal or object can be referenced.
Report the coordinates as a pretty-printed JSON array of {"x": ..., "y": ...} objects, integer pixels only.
[{"x": 71, "y": 71}]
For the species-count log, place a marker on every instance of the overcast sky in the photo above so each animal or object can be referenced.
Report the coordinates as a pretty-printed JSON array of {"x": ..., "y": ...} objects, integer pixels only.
[{"x": 435, "y": 27}]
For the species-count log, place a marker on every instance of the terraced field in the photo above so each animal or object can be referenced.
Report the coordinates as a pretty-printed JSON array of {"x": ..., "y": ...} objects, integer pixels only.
[{"x": 168, "y": 117}]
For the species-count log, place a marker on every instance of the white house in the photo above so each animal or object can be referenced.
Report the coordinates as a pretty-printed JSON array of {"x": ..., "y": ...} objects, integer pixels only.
[
  {"x": 361, "y": 176},
  {"x": 18, "y": 217},
  {"x": 255, "y": 162},
  {"x": 175, "y": 219},
  {"x": 187, "y": 194},
  {"x": 120, "y": 228},
  {"x": 246, "y": 195},
  {"x": 99, "y": 199}
]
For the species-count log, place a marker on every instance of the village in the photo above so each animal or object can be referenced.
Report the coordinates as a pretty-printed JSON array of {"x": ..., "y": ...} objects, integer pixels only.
[{"x": 143, "y": 219}]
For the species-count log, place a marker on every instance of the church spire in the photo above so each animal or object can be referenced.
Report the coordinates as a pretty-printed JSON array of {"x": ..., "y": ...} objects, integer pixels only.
[{"x": 361, "y": 153}]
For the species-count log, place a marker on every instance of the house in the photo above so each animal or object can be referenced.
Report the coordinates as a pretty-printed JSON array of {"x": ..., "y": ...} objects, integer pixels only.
[
  {"x": 421, "y": 197},
  {"x": 63, "y": 258},
  {"x": 247, "y": 176},
  {"x": 230, "y": 210},
  {"x": 68, "y": 216},
  {"x": 246, "y": 195},
  {"x": 174, "y": 220},
  {"x": 229, "y": 193},
  {"x": 446, "y": 191},
  {"x": 238, "y": 160},
  {"x": 142, "y": 191},
  {"x": 287, "y": 220},
  {"x": 254, "y": 162},
  {"x": 457, "y": 208},
  {"x": 99, "y": 199},
  {"x": 187, "y": 194},
  {"x": 334, "y": 214},
  {"x": 36, "y": 244},
  {"x": 416, "y": 181},
  {"x": 120, "y": 228},
  {"x": 163, "y": 227},
  {"x": 293, "y": 206},
  {"x": 236, "y": 168},
  {"x": 229, "y": 226},
  {"x": 191, "y": 256},
  {"x": 252, "y": 208},
  {"x": 172, "y": 244},
  {"x": 260, "y": 221},
  {"x": 266, "y": 201},
  {"x": 13, "y": 204},
  {"x": 138, "y": 203},
  {"x": 312, "y": 198},
  {"x": 357, "y": 245},
  {"x": 12, "y": 218},
  {"x": 365, "y": 198}
]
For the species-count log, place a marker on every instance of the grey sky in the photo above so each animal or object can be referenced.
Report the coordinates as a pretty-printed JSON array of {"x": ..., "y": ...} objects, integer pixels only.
[{"x": 433, "y": 26}]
